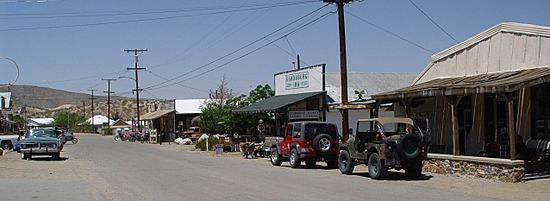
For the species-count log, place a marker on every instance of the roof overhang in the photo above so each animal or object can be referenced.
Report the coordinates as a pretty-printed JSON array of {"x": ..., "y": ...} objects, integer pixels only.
[
  {"x": 277, "y": 103},
  {"x": 502, "y": 82},
  {"x": 156, "y": 114}
]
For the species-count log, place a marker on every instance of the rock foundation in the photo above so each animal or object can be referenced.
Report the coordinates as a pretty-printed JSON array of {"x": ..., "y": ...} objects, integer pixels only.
[{"x": 497, "y": 172}]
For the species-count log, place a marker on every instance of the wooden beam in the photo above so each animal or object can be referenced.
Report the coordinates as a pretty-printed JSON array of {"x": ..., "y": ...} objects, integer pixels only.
[
  {"x": 454, "y": 122},
  {"x": 511, "y": 126}
]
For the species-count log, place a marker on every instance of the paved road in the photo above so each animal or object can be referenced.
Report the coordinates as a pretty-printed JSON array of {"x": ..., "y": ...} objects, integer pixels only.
[{"x": 106, "y": 170}]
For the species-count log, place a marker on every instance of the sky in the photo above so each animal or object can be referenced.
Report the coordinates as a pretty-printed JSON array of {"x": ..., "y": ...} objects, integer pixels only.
[{"x": 192, "y": 45}]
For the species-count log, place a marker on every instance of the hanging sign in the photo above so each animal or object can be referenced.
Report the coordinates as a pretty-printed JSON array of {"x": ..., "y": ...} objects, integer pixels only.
[{"x": 308, "y": 114}]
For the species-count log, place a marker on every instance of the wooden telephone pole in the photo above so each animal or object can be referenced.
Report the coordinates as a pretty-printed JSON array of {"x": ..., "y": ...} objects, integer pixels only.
[
  {"x": 343, "y": 66},
  {"x": 109, "y": 92},
  {"x": 137, "y": 90},
  {"x": 93, "y": 126}
]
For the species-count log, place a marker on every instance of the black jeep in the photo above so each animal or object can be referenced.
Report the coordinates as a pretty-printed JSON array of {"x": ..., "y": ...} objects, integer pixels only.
[{"x": 384, "y": 143}]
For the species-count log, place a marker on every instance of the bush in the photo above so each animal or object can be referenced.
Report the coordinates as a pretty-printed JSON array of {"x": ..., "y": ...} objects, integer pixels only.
[{"x": 202, "y": 144}]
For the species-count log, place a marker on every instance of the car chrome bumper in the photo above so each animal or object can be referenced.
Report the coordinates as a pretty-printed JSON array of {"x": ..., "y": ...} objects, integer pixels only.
[{"x": 41, "y": 150}]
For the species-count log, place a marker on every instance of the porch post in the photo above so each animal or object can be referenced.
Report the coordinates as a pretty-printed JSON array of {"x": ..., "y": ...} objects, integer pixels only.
[
  {"x": 511, "y": 126},
  {"x": 454, "y": 126}
]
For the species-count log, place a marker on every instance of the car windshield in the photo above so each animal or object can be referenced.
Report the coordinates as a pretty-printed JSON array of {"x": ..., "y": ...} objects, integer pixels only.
[{"x": 42, "y": 133}]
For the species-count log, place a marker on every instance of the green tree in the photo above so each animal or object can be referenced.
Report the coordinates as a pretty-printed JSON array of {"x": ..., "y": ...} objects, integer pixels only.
[
  {"x": 19, "y": 120},
  {"x": 68, "y": 120}
]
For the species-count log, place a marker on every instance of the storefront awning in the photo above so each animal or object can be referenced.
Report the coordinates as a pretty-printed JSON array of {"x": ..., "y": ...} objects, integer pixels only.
[
  {"x": 155, "y": 115},
  {"x": 277, "y": 103},
  {"x": 502, "y": 82}
]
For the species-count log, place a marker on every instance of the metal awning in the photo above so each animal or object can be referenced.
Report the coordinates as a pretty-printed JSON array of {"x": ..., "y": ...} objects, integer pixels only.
[
  {"x": 155, "y": 115},
  {"x": 502, "y": 82},
  {"x": 277, "y": 103}
]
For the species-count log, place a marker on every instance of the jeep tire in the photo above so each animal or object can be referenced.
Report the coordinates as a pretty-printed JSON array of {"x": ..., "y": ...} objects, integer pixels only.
[
  {"x": 345, "y": 162},
  {"x": 377, "y": 169},
  {"x": 414, "y": 171},
  {"x": 295, "y": 161},
  {"x": 322, "y": 143},
  {"x": 409, "y": 148},
  {"x": 276, "y": 159}
]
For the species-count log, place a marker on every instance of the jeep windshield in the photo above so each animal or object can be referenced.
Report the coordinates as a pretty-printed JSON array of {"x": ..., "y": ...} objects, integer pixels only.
[
  {"x": 390, "y": 129},
  {"x": 41, "y": 133},
  {"x": 314, "y": 129}
]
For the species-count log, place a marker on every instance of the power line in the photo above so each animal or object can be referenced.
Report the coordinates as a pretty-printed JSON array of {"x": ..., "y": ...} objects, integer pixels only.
[
  {"x": 151, "y": 11},
  {"x": 431, "y": 20},
  {"x": 136, "y": 20},
  {"x": 250, "y": 52},
  {"x": 391, "y": 33},
  {"x": 186, "y": 86},
  {"x": 237, "y": 50}
]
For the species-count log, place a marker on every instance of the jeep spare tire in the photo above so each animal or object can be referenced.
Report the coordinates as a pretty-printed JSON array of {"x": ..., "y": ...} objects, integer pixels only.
[
  {"x": 409, "y": 147},
  {"x": 322, "y": 143}
]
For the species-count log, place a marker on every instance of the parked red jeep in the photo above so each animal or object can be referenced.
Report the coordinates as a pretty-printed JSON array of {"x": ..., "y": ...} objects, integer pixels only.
[{"x": 308, "y": 141}]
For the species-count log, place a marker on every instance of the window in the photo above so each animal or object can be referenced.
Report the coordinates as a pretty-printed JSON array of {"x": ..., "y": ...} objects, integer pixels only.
[
  {"x": 296, "y": 132},
  {"x": 541, "y": 111}
]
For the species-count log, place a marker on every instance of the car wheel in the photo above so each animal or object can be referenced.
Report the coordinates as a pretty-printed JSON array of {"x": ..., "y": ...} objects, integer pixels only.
[
  {"x": 377, "y": 169},
  {"x": 322, "y": 143},
  {"x": 55, "y": 156},
  {"x": 6, "y": 146},
  {"x": 310, "y": 163},
  {"x": 345, "y": 162},
  {"x": 295, "y": 161},
  {"x": 414, "y": 171},
  {"x": 276, "y": 159}
]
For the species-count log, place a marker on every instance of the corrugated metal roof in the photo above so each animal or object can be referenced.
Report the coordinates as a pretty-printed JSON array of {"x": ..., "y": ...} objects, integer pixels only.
[
  {"x": 190, "y": 106},
  {"x": 510, "y": 27},
  {"x": 484, "y": 83},
  {"x": 275, "y": 103},
  {"x": 371, "y": 82}
]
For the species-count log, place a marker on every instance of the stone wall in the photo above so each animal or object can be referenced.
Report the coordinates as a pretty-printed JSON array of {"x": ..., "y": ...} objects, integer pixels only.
[{"x": 497, "y": 172}]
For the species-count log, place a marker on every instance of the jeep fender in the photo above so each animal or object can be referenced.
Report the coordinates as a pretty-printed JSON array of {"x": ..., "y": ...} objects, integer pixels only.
[
  {"x": 370, "y": 151},
  {"x": 295, "y": 146},
  {"x": 276, "y": 147}
]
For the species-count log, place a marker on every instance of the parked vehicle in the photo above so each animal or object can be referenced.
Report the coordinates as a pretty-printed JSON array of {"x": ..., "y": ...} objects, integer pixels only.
[
  {"x": 41, "y": 141},
  {"x": 309, "y": 141},
  {"x": 69, "y": 136},
  {"x": 8, "y": 141},
  {"x": 384, "y": 143}
]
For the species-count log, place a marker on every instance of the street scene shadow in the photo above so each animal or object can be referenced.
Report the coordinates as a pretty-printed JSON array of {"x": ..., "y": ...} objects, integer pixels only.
[
  {"x": 47, "y": 158},
  {"x": 395, "y": 176}
]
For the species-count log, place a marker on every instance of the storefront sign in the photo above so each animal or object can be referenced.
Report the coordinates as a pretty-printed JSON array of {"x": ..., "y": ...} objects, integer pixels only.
[
  {"x": 297, "y": 80},
  {"x": 309, "y": 114},
  {"x": 303, "y": 80}
]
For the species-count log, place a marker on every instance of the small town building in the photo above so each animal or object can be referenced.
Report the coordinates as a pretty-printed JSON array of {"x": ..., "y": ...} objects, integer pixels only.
[
  {"x": 188, "y": 113},
  {"x": 119, "y": 126},
  {"x": 485, "y": 102},
  {"x": 98, "y": 122},
  {"x": 40, "y": 122},
  {"x": 311, "y": 94},
  {"x": 160, "y": 119}
]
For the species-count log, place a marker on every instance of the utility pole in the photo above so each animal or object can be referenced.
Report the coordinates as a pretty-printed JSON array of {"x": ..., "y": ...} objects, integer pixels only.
[
  {"x": 109, "y": 92},
  {"x": 93, "y": 126},
  {"x": 136, "y": 69},
  {"x": 343, "y": 66}
]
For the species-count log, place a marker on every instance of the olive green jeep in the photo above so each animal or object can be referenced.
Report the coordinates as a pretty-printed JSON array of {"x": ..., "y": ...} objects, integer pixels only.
[{"x": 384, "y": 143}]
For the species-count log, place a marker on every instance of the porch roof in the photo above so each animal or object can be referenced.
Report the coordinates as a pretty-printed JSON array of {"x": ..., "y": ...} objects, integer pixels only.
[
  {"x": 156, "y": 114},
  {"x": 502, "y": 82},
  {"x": 275, "y": 103}
]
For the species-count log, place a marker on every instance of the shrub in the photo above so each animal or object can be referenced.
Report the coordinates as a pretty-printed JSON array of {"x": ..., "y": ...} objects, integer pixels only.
[{"x": 201, "y": 144}]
